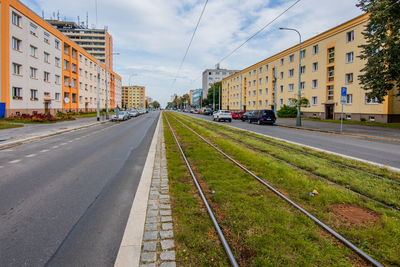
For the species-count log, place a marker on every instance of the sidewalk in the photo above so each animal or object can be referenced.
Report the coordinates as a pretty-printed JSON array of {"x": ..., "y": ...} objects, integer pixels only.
[
  {"x": 36, "y": 131},
  {"x": 362, "y": 130}
]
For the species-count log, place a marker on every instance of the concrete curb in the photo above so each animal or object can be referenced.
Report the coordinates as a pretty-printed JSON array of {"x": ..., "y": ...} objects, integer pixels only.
[
  {"x": 131, "y": 244},
  {"x": 35, "y": 138},
  {"x": 315, "y": 148}
]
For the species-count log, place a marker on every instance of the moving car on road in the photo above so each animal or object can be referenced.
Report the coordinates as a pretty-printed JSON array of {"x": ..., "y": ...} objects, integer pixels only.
[
  {"x": 263, "y": 116},
  {"x": 222, "y": 115}
]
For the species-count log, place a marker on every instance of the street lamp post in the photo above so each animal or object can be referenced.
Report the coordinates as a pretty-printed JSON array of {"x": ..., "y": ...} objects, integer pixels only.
[{"x": 298, "y": 120}]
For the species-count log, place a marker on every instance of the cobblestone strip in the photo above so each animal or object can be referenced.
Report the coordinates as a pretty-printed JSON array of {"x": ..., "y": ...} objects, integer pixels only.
[{"x": 158, "y": 247}]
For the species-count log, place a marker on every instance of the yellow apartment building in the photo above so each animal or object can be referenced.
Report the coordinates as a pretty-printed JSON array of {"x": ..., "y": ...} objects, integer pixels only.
[
  {"x": 329, "y": 61},
  {"x": 133, "y": 97}
]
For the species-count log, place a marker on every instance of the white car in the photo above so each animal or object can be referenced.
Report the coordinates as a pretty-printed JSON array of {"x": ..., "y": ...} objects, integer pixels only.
[
  {"x": 122, "y": 116},
  {"x": 222, "y": 115},
  {"x": 133, "y": 113}
]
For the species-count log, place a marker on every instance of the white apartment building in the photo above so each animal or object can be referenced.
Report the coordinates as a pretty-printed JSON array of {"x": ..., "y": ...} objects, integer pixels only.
[{"x": 211, "y": 76}]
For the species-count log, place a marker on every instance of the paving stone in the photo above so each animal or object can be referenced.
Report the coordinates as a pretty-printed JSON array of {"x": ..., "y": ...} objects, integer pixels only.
[
  {"x": 167, "y": 244},
  {"x": 165, "y": 207},
  {"x": 153, "y": 197},
  {"x": 167, "y": 256},
  {"x": 164, "y": 196},
  {"x": 164, "y": 201},
  {"x": 153, "y": 202},
  {"x": 151, "y": 219},
  {"x": 164, "y": 191},
  {"x": 166, "y": 234},
  {"x": 153, "y": 207},
  {"x": 150, "y": 235},
  {"x": 166, "y": 226},
  {"x": 148, "y": 265},
  {"x": 153, "y": 213},
  {"x": 168, "y": 264},
  {"x": 151, "y": 227},
  {"x": 149, "y": 257},
  {"x": 165, "y": 212},
  {"x": 150, "y": 246}
]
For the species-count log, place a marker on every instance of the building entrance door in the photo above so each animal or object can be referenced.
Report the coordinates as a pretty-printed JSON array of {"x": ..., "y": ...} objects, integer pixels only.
[
  {"x": 329, "y": 111},
  {"x": 46, "y": 107}
]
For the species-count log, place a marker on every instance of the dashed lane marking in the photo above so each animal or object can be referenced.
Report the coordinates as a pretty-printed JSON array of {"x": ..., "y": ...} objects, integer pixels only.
[
  {"x": 55, "y": 146},
  {"x": 44, "y": 150},
  {"x": 63, "y": 144},
  {"x": 1, "y": 167},
  {"x": 30, "y": 156},
  {"x": 15, "y": 161}
]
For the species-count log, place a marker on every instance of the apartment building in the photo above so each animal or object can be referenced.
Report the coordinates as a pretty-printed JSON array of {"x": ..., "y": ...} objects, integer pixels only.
[
  {"x": 211, "y": 76},
  {"x": 329, "y": 61},
  {"x": 43, "y": 71},
  {"x": 97, "y": 42},
  {"x": 133, "y": 97}
]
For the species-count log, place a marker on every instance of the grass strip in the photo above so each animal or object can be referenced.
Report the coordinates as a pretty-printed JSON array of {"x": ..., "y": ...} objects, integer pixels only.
[
  {"x": 379, "y": 238},
  {"x": 7, "y": 125}
]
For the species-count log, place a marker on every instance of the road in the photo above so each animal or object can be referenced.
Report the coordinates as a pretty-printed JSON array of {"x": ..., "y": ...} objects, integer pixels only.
[
  {"x": 65, "y": 200},
  {"x": 379, "y": 151}
]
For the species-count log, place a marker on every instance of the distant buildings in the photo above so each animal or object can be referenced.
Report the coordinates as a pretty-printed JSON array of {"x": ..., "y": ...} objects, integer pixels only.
[
  {"x": 133, "y": 97},
  {"x": 210, "y": 76}
]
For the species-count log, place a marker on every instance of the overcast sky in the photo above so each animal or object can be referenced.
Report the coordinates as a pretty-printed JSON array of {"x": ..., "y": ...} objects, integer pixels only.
[{"x": 152, "y": 35}]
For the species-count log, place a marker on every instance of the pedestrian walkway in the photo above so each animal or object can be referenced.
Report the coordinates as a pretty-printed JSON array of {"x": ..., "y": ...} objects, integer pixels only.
[{"x": 158, "y": 246}]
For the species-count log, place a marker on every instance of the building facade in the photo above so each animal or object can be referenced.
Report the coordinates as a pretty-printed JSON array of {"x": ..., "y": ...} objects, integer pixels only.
[
  {"x": 329, "y": 61},
  {"x": 195, "y": 97},
  {"x": 211, "y": 76},
  {"x": 97, "y": 42},
  {"x": 43, "y": 71},
  {"x": 133, "y": 97}
]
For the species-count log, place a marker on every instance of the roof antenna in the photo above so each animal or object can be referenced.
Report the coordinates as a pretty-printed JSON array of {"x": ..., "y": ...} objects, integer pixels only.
[
  {"x": 42, "y": 14},
  {"x": 58, "y": 14},
  {"x": 87, "y": 19},
  {"x": 79, "y": 21}
]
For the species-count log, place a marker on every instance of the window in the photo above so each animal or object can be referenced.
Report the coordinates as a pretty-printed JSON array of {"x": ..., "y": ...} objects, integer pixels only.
[
  {"x": 17, "y": 93},
  {"x": 281, "y": 88},
  {"x": 266, "y": 79},
  {"x": 33, "y": 29},
  {"x": 16, "y": 43},
  {"x": 350, "y": 36},
  {"x": 349, "y": 77},
  {"x": 291, "y": 87},
  {"x": 282, "y": 61},
  {"x": 254, "y": 92},
  {"x": 259, "y": 92},
  {"x": 57, "y": 96},
  {"x": 254, "y": 83},
  {"x": 302, "y": 85},
  {"x": 73, "y": 83},
  {"x": 371, "y": 101},
  {"x": 266, "y": 102},
  {"x": 281, "y": 101},
  {"x": 73, "y": 98},
  {"x": 73, "y": 68},
  {"x": 266, "y": 91},
  {"x": 74, "y": 54},
  {"x": 303, "y": 69},
  {"x": 254, "y": 103},
  {"x": 16, "y": 19},
  {"x": 331, "y": 55},
  {"x": 349, "y": 99},
  {"x": 216, "y": 73},
  {"x": 314, "y": 84},
  {"x": 303, "y": 53},
  {"x": 266, "y": 67},
  {"x": 330, "y": 92},
  {"x": 259, "y": 102},
  {"x": 349, "y": 57},
  {"x": 315, "y": 66},
  {"x": 57, "y": 44},
  {"x": 66, "y": 64},
  {"x": 261, "y": 69},
  {"x": 57, "y": 79},
  {"x": 66, "y": 81},
  {"x": 33, "y": 73},
  {"x": 331, "y": 74},
  {"x": 46, "y": 76},
  {"x": 291, "y": 72},
  {"x": 46, "y": 37},
  {"x": 315, "y": 49},
  {"x": 57, "y": 62},
  {"x": 17, "y": 69},
  {"x": 254, "y": 72},
  {"x": 33, "y": 51},
  {"x": 34, "y": 94},
  {"x": 46, "y": 57},
  {"x": 260, "y": 81},
  {"x": 80, "y": 58},
  {"x": 291, "y": 58},
  {"x": 281, "y": 74},
  {"x": 314, "y": 100}
]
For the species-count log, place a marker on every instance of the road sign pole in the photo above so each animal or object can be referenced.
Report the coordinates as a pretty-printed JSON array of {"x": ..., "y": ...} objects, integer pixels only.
[
  {"x": 343, "y": 100},
  {"x": 341, "y": 120}
]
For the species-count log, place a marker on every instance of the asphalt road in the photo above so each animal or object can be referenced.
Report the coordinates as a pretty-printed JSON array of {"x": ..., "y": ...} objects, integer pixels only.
[
  {"x": 379, "y": 151},
  {"x": 65, "y": 200}
]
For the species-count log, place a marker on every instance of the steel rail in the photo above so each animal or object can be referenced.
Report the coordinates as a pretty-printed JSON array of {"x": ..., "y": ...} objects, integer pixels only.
[
  {"x": 210, "y": 213},
  {"x": 312, "y": 217}
]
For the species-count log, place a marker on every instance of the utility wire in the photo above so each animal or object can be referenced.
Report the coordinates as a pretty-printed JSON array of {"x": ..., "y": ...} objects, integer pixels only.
[
  {"x": 251, "y": 37},
  {"x": 190, "y": 43}
]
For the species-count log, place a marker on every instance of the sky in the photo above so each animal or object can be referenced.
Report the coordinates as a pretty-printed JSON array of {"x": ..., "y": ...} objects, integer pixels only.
[{"x": 151, "y": 36}]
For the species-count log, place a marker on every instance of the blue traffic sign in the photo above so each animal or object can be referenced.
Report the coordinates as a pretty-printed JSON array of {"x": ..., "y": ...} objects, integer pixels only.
[{"x": 344, "y": 91}]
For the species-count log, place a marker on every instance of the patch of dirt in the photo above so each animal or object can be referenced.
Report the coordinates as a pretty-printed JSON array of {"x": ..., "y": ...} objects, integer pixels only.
[{"x": 354, "y": 215}]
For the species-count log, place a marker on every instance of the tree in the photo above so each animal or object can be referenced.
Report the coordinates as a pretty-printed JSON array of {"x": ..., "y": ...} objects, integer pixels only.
[
  {"x": 210, "y": 95},
  {"x": 382, "y": 49},
  {"x": 155, "y": 104}
]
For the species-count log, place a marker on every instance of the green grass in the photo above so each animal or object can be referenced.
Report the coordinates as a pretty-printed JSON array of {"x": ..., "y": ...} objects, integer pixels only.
[
  {"x": 261, "y": 229},
  {"x": 8, "y": 125},
  {"x": 379, "y": 239},
  {"x": 393, "y": 125}
]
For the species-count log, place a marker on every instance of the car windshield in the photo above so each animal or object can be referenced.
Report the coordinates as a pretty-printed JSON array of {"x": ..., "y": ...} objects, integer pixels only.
[{"x": 225, "y": 111}]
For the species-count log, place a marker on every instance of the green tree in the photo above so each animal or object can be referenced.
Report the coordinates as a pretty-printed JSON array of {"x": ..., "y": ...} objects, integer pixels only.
[
  {"x": 155, "y": 104},
  {"x": 382, "y": 49},
  {"x": 210, "y": 95}
]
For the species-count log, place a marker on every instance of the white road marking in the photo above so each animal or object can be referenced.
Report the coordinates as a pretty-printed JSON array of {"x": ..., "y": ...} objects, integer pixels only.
[
  {"x": 63, "y": 144},
  {"x": 8, "y": 150},
  {"x": 55, "y": 146},
  {"x": 30, "y": 156},
  {"x": 1, "y": 167},
  {"x": 44, "y": 150},
  {"x": 70, "y": 141},
  {"x": 78, "y": 138},
  {"x": 14, "y": 161}
]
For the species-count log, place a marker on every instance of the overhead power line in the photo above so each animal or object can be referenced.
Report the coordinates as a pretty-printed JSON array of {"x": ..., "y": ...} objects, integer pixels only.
[
  {"x": 190, "y": 43},
  {"x": 263, "y": 28}
]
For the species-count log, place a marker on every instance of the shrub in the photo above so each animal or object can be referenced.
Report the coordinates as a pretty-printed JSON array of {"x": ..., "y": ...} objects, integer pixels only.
[{"x": 287, "y": 112}]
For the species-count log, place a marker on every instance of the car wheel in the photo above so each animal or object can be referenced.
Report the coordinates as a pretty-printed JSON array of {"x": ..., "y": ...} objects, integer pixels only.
[
  {"x": 213, "y": 119},
  {"x": 230, "y": 120},
  {"x": 259, "y": 122}
]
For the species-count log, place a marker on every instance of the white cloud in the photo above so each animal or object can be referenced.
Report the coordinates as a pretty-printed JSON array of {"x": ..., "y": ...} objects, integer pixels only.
[{"x": 151, "y": 35}]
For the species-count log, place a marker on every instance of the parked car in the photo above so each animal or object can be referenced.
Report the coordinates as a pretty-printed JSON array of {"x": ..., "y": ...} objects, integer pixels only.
[
  {"x": 222, "y": 115},
  {"x": 208, "y": 112},
  {"x": 263, "y": 116},
  {"x": 245, "y": 116},
  {"x": 122, "y": 116},
  {"x": 237, "y": 114},
  {"x": 133, "y": 113}
]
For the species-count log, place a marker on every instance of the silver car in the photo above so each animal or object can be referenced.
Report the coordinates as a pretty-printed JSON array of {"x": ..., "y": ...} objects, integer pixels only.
[{"x": 122, "y": 116}]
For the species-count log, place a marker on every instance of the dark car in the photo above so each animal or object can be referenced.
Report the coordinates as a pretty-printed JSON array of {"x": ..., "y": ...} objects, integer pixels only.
[
  {"x": 263, "y": 116},
  {"x": 208, "y": 112},
  {"x": 246, "y": 116}
]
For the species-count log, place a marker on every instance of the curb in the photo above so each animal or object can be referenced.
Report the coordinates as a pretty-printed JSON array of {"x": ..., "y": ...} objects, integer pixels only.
[
  {"x": 35, "y": 138},
  {"x": 131, "y": 244}
]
